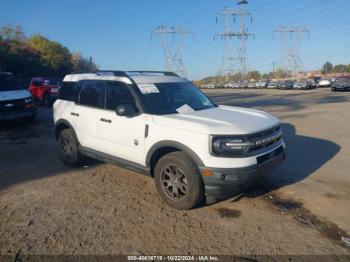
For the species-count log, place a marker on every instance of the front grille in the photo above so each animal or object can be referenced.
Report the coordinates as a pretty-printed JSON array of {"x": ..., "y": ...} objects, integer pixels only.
[
  {"x": 12, "y": 105},
  {"x": 266, "y": 157},
  {"x": 265, "y": 138}
]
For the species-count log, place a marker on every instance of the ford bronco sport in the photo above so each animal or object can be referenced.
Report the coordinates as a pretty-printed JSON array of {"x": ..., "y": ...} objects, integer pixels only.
[{"x": 159, "y": 124}]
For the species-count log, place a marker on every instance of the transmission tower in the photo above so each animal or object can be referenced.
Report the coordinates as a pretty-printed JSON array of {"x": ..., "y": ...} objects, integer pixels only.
[
  {"x": 291, "y": 38},
  {"x": 173, "y": 55},
  {"x": 242, "y": 35}
]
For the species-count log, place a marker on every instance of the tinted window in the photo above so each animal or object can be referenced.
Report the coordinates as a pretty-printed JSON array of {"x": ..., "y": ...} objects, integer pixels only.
[
  {"x": 91, "y": 93},
  {"x": 53, "y": 81},
  {"x": 117, "y": 93},
  {"x": 8, "y": 83},
  {"x": 69, "y": 91}
]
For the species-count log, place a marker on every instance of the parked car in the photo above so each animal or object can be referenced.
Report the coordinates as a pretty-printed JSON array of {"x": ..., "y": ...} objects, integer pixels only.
[
  {"x": 235, "y": 84},
  {"x": 324, "y": 83},
  {"x": 251, "y": 84},
  {"x": 303, "y": 84},
  {"x": 220, "y": 85},
  {"x": 262, "y": 84},
  {"x": 243, "y": 84},
  {"x": 341, "y": 84},
  {"x": 163, "y": 126},
  {"x": 16, "y": 103},
  {"x": 45, "y": 89},
  {"x": 209, "y": 85},
  {"x": 229, "y": 85},
  {"x": 273, "y": 84},
  {"x": 286, "y": 84}
]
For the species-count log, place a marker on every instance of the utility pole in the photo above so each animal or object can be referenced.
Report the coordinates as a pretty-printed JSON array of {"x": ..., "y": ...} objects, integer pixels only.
[
  {"x": 291, "y": 48},
  {"x": 173, "y": 55},
  {"x": 242, "y": 35}
]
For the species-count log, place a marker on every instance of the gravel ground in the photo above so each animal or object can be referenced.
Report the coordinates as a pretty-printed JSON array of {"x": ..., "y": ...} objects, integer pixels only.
[{"x": 47, "y": 208}]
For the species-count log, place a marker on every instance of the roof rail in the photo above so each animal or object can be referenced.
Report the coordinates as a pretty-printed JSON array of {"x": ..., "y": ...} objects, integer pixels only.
[
  {"x": 126, "y": 73},
  {"x": 166, "y": 73},
  {"x": 112, "y": 72}
]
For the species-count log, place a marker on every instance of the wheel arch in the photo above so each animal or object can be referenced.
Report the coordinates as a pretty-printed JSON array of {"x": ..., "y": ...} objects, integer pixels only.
[
  {"x": 162, "y": 148},
  {"x": 62, "y": 124}
]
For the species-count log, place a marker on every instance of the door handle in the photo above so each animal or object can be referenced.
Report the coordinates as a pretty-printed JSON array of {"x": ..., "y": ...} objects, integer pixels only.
[
  {"x": 105, "y": 120},
  {"x": 74, "y": 114}
]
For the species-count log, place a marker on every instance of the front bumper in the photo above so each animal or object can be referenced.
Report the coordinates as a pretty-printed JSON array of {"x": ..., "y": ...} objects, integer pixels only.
[
  {"x": 18, "y": 114},
  {"x": 226, "y": 182}
]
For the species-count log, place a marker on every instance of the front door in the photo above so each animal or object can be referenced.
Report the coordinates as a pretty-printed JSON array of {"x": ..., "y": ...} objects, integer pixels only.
[{"x": 120, "y": 136}]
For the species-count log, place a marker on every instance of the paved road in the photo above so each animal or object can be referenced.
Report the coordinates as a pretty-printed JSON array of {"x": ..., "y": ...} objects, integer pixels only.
[{"x": 302, "y": 208}]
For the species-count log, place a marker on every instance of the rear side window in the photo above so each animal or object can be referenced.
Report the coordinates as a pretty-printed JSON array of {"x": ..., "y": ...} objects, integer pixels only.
[
  {"x": 117, "y": 93},
  {"x": 69, "y": 91},
  {"x": 91, "y": 93}
]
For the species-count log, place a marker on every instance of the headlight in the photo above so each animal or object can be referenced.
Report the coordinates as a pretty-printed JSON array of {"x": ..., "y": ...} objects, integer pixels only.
[
  {"x": 54, "y": 90},
  {"x": 230, "y": 146},
  {"x": 240, "y": 146},
  {"x": 28, "y": 100}
]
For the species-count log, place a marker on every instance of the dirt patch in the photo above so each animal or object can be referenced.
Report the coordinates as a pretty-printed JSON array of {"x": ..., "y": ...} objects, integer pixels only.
[
  {"x": 226, "y": 212},
  {"x": 305, "y": 217}
]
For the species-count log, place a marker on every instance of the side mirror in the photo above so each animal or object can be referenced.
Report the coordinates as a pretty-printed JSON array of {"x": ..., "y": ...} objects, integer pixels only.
[{"x": 127, "y": 110}]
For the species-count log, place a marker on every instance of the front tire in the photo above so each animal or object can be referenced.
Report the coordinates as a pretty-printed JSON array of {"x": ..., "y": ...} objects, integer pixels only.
[
  {"x": 68, "y": 147},
  {"x": 179, "y": 181}
]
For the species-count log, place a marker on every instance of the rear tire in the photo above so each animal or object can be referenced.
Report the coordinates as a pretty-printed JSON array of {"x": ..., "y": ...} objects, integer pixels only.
[
  {"x": 179, "y": 181},
  {"x": 68, "y": 148}
]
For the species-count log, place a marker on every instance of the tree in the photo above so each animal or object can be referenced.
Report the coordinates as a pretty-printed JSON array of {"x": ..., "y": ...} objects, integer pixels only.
[
  {"x": 327, "y": 68},
  {"x": 55, "y": 58},
  {"x": 12, "y": 33},
  {"x": 255, "y": 75},
  {"x": 340, "y": 69},
  {"x": 80, "y": 64}
]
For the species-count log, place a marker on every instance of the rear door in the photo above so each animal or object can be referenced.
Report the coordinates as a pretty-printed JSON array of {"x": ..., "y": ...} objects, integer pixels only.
[
  {"x": 121, "y": 136},
  {"x": 91, "y": 103}
]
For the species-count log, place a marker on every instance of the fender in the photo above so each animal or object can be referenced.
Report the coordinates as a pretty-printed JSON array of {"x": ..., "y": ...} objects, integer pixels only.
[
  {"x": 174, "y": 144},
  {"x": 64, "y": 122}
]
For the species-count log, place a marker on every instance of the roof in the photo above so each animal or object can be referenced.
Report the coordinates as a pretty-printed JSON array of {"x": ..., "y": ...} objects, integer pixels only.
[{"x": 128, "y": 77}]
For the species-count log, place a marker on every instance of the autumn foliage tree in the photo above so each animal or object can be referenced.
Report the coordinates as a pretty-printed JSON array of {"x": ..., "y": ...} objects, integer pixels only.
[{"x": 36, "y": 55}]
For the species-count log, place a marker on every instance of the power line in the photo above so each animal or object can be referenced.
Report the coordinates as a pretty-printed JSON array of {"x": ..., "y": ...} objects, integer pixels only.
[
  {"x": 242, "y": 36},
  {"x": 173, "y": 55},
  {"x": 291, "y": 37}
]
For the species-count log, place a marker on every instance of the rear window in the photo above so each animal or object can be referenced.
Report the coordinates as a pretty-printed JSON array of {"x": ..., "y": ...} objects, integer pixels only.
[
  {"x": 8, "y": 83},
  {"x": 52, "y": 81}
]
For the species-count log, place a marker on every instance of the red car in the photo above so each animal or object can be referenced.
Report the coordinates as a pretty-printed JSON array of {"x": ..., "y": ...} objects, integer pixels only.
[{"x": 45, "y": 89}]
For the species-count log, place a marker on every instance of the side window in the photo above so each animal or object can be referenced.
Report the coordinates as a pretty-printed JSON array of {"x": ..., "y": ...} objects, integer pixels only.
[
  {"x": 117, "y": 93},
  {"x": 92, "y": 93},
  {"x": 69, "y": 91}
]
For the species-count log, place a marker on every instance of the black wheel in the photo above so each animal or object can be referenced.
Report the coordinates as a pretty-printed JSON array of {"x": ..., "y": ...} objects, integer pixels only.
[
  {"x": 47, "y": 100},
  {"x": 69, "y": 148},
  {"x": 179, "y": 181}
]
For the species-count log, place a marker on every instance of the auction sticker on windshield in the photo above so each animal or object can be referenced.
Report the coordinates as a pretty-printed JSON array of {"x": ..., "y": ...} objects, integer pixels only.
[{"x": 148, "y": 89}]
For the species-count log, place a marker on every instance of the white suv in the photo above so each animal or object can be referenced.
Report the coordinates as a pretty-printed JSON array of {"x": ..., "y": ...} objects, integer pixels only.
[{"x": 160, "y": 124}]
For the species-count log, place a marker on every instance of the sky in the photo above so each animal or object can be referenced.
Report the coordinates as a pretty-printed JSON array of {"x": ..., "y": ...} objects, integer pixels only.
[{"x": 117, "y": 33}]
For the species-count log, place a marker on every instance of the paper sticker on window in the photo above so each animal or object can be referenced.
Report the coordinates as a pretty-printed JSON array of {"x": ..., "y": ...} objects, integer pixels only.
[
  {"x": 148, "y": 89},
  {"x": 185, "y": 109}
]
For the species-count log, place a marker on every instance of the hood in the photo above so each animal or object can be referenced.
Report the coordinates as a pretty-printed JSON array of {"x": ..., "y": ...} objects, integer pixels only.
[
  {"x": 221, "y": 120},
  {"x": 14, "y": 94}
]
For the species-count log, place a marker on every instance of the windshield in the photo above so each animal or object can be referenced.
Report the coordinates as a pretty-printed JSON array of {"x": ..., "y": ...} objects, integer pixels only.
[
  {"x": 172, "y": 98},
  {"x": 8, "y": 83}
]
